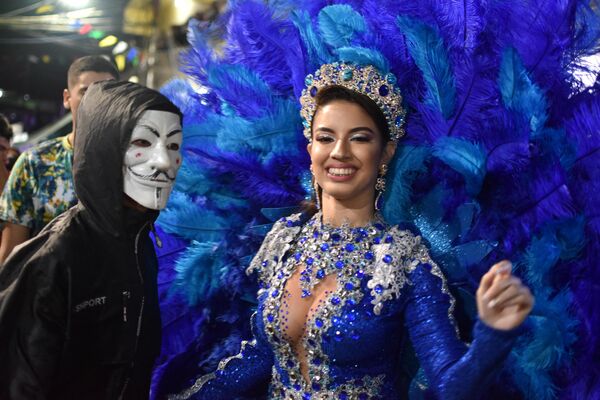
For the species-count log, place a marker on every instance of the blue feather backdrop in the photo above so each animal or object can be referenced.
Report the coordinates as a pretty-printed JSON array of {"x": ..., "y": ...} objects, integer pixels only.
[{"x": 501, "y": 160}]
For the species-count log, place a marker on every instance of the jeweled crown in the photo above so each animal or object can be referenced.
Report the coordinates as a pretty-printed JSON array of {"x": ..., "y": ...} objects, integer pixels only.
[{"x": 366, "y": 80}]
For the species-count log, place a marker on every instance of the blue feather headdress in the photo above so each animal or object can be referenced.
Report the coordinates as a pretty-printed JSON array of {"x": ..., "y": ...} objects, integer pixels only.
[{"x": 501, "y": 160}]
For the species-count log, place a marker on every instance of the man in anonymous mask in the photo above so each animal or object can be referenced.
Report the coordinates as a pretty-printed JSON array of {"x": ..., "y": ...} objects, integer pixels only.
[{"x": 79, "y": 315}]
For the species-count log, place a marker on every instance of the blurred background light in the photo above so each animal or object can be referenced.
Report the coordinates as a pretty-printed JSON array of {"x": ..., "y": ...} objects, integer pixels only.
[
  {"x": 74, "y": 4},
  {"x": 120, "y": 47}
]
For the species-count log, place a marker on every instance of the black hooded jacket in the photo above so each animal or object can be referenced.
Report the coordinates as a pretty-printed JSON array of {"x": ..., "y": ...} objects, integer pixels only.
[{"x": 79, "y": 316}]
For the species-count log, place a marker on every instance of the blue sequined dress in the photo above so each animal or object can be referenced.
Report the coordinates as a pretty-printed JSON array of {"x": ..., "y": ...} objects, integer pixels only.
[{"x": 353, "y": 341}]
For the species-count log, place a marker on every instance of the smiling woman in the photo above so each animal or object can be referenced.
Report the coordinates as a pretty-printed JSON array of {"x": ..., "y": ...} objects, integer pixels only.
[
  {"x": 337, "y": 284},
  {"x": 350, "y": 147}
]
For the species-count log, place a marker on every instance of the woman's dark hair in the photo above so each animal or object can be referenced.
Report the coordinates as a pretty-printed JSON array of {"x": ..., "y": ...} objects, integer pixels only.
[{"x": 336, "y": 93}]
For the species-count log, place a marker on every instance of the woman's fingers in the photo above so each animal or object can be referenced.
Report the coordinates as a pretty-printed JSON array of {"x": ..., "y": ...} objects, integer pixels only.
[
  {"x": 506, "y": 295},
  {"x": 500, "y": 285},
  {"x": 500, "y": 269},
  {"x": 523, "y": 300}
]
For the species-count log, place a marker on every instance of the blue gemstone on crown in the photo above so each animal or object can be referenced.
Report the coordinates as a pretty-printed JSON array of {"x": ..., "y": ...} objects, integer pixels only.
[
  {"x": 313, "y": 91},
  {"x": 308, "y": 80},
  {"x": 384, "y": 90},
  {"x": 347, "y": 75}
]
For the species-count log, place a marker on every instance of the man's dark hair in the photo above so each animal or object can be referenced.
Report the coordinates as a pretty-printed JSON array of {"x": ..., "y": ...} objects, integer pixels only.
[
  {"x": 5, "y": 128},
  {"x": 90, "y": 63}
]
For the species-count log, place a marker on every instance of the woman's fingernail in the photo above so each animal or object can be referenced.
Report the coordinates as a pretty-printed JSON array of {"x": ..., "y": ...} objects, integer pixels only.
[
  {"x": 492, "y": 303},
  {"x": 504, "y": 267}
]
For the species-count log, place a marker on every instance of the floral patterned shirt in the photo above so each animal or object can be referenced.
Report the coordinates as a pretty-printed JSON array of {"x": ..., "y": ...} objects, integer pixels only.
[{"x": 40, "y": 186}]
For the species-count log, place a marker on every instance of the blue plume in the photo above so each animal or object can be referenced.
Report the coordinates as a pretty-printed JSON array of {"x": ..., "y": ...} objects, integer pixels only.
[
  {"x": 519, "y": 93},
  {"x": 183, "y": 95},
  {"x": 191, "y": 179},
  {"x": 408, "y": 162},
  {"x": 460, "y": 22},
  {"x": 189, "y": 219},
  {"x": 267, "y": 183},
  {"x": 338, "y": 24},
  {"x": 465, "y": 158},
  {"x": 317, "y": 50},
  {"x": 383, "y": 26},
  {"x": 232, "y": 82},
  {"x": 588, "y": 27},
  {"x": 256, "y": 36},
  {"x": 198, "y": 271},
  {"x": 364, "y": 56},
  {"x": 428, "y": 51}
]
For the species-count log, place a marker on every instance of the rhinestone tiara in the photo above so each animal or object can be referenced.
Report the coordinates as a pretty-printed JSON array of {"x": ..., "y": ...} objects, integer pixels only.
[{"x": 366, "y": 80}]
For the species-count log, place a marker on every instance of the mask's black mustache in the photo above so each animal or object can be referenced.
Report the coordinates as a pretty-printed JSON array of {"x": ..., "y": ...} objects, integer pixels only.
[{"x": 153, "y": 176}]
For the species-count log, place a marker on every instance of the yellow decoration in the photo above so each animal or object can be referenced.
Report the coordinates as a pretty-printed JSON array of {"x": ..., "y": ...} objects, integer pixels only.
[
  {"x": 44, "y": 9},
  {"x": 46, "y": 59},
  {"x": 120, "y": 61},
  {"x": 108, "y": 41}
]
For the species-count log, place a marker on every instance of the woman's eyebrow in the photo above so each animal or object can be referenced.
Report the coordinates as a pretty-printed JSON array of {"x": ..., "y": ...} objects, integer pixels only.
[
  {"x": 325, "y": 129},
  {"x": 361, "y": 128}
]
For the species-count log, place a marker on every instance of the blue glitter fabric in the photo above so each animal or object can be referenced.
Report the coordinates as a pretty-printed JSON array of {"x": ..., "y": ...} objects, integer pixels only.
[{"x": 354, "y": 339}]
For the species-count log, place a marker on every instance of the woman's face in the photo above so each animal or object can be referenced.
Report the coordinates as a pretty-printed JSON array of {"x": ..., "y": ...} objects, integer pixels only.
[{"x": 347, "y": 151}]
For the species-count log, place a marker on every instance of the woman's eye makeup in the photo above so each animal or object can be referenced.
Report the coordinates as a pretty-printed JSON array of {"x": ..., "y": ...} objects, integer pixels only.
[
  {"x": 361, "y": 138},
  {"x": 324, "y": 138}
]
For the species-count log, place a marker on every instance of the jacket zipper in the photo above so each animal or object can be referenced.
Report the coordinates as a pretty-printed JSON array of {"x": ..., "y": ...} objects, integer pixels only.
[{"x": 139, "y": 322}]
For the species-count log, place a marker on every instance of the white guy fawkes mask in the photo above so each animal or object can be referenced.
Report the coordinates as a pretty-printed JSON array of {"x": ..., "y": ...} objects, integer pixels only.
[{"x": 153, "y": 158}]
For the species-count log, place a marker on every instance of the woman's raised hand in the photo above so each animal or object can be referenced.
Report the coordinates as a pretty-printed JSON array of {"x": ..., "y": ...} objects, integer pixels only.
[{"x": 503, "y": 302}]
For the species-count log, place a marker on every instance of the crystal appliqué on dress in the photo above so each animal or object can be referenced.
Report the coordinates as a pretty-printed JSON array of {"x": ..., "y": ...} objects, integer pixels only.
[
  {"x": 365, "y": 388},
  {"x": 323, "y": 249},
  {"x": 385, "y": 257}
]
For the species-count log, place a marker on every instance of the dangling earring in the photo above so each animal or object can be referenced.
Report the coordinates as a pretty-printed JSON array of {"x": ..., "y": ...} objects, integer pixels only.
[
  {"x": 380, "y": 186},
  {"x": 316, "y": 189}
]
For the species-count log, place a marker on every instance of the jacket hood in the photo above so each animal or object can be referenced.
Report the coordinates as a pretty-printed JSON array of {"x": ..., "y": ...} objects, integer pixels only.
[{"x": 105, "y": 119}]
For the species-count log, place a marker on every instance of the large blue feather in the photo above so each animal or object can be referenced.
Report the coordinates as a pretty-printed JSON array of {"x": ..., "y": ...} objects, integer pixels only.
[
  {"x": 256, "y": 36},
  {"x": 190, "y": 220},
  {"x": 408, "y": 162},
  {"x": 464, "y": 157},
  {"x": 198, "y": 271},
  {"x": 317, "y": 51},
  {"x": 428, "y": 52},
  {"x": 339, "y": 23},
  {"x": 519, "y": 93},
  {"x": 364, "y": 56},
  {"x": 460, "y": 22}
]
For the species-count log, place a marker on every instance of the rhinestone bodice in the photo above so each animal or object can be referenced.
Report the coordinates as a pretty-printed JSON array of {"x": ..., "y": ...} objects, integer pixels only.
[{"x": 385, "y": 286}]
